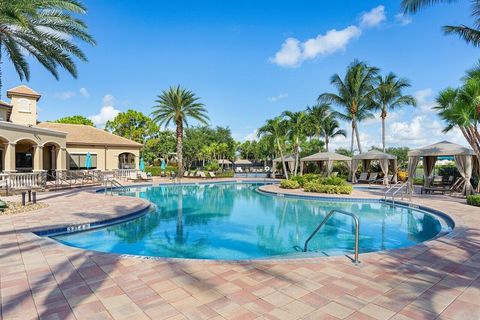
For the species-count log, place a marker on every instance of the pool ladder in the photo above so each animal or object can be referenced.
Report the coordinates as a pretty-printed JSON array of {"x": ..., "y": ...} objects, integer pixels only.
[
  {"x": 331, "y": 213},
  {"x": 396, "y": 188},
  {"x": 113, "y": 184}
]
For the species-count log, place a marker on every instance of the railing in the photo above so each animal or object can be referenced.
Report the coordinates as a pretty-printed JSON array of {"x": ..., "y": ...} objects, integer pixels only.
[
  {"x": 23, "y": 181},
  {"x": 396, "y": 188},
  {"x": 124, "y": 173},
  {"x": 113, "y": 184},
  {"x": 331, "y": 213}
]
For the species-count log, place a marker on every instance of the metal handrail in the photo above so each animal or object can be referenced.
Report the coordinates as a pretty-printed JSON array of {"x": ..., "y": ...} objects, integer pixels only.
[
  {"x": 113, "y": 182},
  {"x": 357, "y": 230},
  {"x": 398, "y": 189}
]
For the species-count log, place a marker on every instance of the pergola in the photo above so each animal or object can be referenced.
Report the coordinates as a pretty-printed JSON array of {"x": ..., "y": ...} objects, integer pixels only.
[
  {"x": 385, "y": 160},
  {"x": 463, "y": 161},
  {"x": 327, "y": 158},
  {"x": 288, "y": 159}
]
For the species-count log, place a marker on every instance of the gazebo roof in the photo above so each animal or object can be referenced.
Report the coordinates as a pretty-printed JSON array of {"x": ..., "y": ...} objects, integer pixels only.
[
  {"x": 224, "y": 161},
  {"x": 374, "y": 155},
  {"x": 286, "y": 158},
  {"x": 243, "y": 161},
  {"x": 326, "y": 156},
  {"x": 443, "y": 148}
]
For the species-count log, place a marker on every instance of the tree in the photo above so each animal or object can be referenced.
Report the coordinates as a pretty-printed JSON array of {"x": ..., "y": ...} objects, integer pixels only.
[
  {"x": 297, "y": 125},
  {"x": 159, "y": 147},
  {"x": 331, "y": 129},
  {"x": 132, "y": 125},
  {"x": 275, "y": 129},
  {"x": 45, "y": 30},
  {"x": 78, "y": 119},
  {"x": 176, "y": 105},
  {"x": 316, "y": 119},
  {"x": 355, "y": 94},
  {"x": 389, "y": 96},
  {"x": 469, "y": 34}
]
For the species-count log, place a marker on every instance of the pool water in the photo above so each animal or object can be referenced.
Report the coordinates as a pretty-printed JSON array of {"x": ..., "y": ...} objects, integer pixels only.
[{"x": 235, "y": 221}]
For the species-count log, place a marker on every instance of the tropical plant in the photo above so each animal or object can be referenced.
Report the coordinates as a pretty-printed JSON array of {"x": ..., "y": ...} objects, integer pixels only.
[
  {"x": 331, "y": 129},
  {"x": 45, "y": 30},
  {"x": 78, "y": 119},
  {"x": 388, "y": 96},
  {"x": 316, "y": 119},
  {"x": 176, "y": 105},
  {"x": 133, "y": 125},
  {"x": 469, "y": 34},
  {"x": 297, "y": 125},
  {"x": 355, "y": 94},
  {"x": 275, "y": 129}
]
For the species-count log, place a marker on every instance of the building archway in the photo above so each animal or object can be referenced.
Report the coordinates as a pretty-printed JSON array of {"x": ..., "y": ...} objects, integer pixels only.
[
  {"x": 3, "y": 145},
  {"x": 25, "y": 152},
  {"x": 50, "y": 157},
  {"x": 126, "y": 160}
]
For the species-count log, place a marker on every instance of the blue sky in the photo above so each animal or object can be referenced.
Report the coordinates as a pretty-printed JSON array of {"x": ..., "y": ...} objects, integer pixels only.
[{"x": 250, "y": 60}]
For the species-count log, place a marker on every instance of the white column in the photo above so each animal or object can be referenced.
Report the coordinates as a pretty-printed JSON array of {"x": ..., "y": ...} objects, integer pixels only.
[
  {"x": 9, "y": 157},
  {"x": 37, "y": 158}
]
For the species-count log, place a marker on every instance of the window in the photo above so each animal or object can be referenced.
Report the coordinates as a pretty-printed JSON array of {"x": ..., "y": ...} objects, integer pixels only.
[
  {"x": 24, "y": 160},
  {"x": 78, "y": 161},
  {"x": 24, "y": 105}
]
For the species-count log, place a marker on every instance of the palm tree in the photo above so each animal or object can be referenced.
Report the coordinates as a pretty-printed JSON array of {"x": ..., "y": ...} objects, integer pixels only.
[
  {"x": 176, "y": 105},
  {"x": 331, "y": 129},
  {"x": 45, "y": 30},
  {"x": 355, "y": 94},
  {"x": 469, "y": 34},
  {"x": 297, "y": 126},
  {"x": 389, "y": 96},
  {"x": 316, "y": 119},
  {"x": 275, "y": 129}
]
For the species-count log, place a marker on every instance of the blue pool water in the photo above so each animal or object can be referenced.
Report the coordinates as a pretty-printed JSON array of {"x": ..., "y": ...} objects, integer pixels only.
[{"x": 234, "y": 221}]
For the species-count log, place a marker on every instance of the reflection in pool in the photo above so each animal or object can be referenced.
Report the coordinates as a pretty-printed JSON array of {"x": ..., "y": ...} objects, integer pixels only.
[{"x": 234, "y": 221}]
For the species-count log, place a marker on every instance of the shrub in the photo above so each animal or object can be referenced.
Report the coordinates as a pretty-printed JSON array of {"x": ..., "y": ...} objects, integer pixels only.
[
  {"x": 329, "y": 189},
  {"x": 333, "y": 181},
  {"x": 157, "y": 171},
  {"x": 402, "y": 175},
  {"x": 418, "y": 181},
  {"x": 225, "y": 174},
  {"x": 212, "y": 166},
  {"x": 289, "y": 184},
  {"x": 302, "y": 180},
  {"x": 474, "y": 200}
]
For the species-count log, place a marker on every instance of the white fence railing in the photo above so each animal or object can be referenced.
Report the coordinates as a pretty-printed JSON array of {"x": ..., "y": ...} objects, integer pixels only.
[
  {"x": 124, "y": 173},
  {"x": 23, "y": 180}
]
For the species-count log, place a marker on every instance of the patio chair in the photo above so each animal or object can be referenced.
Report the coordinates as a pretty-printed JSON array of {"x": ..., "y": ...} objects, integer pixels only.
[
  {"x": 211, "y": 174},
  {"x": 373, "y": 177},
  {"x": 363, "y": 177},
  {"x": 456, "y": 187},
  {"x": 145, "y": 177}
]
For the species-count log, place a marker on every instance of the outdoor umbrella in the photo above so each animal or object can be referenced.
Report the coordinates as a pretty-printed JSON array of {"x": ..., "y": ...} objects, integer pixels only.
[
  {"x": 162, "y": 166},
  {"x": 88, "y": 161},
  {"x": 142, "y": 164}
]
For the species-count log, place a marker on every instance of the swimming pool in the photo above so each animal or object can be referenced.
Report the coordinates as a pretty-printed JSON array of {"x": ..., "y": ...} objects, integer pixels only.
[{"x": 234, "y": 221}]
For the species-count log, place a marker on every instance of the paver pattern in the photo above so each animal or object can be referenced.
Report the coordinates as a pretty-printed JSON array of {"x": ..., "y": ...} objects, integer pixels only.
[{"x": 40, "y": 278}]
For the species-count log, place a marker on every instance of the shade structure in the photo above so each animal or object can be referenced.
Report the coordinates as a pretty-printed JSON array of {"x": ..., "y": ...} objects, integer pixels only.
[
  {"x": 463, "y": 160},
  {"x": 327, "y": 158},
  {"x": 386, "y": 161},
  {"x": 242, "y": 162},
  {"x": 142, "y": 164},
  {"x": 289, "y": 160},
  {"x": 225, "y": 162},
  {"x": 88, "y": 161}
]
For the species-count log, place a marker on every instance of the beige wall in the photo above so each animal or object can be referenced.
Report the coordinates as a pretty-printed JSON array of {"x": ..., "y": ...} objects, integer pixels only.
[
  {"x": 24, "y": 110},
  {"x": 107, "y": 158}
]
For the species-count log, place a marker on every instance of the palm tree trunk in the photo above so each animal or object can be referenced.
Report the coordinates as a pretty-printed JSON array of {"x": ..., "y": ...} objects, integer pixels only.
[
  {"x": 383, "y": 116},
  {"x": 353, "y": 136},
  {"x": 358, "y": 138},
  {"x": 326, "y": 143},
  {"x": 180, "y": 148},
  {"x": 283, "y": 159}
]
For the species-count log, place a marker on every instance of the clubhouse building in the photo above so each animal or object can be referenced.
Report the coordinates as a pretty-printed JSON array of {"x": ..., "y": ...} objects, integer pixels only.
[{"x": 27, "y": 145}]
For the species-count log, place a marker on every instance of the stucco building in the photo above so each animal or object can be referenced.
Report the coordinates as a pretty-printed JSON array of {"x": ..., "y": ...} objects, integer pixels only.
[{"x": 27, "y": 145}]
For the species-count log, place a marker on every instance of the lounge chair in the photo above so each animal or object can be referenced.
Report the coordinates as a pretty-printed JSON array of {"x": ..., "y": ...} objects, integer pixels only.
[
  {"x": 457, "y": 186},
  {"x": 201, "y": 174},
  {"x": 185, "y": 174},
  {"x": 145, "y": 177},
  {"x": 192, "y": 174},
  {"x": 211, "y": 174},
  {"x": 363, "y": 177}
]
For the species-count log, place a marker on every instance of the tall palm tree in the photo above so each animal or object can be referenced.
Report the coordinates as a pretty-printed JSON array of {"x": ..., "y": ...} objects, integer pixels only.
[
  {"x": 355, "y": 94},
  {"x": 389, "y": 96},
  {"x": 297, "y": 126},
  {"x": 469, "y": 34},
  {"x": 45, "y": 30},
  {"x": 331, "y": 129},
  {"x": 275, "y": 129},
  {"x": 316, "y": 119},
  {"x": 176, "y": 105}
]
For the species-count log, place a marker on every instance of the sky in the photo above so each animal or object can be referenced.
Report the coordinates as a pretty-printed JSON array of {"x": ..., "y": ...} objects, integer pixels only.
[{"x": 251, "y": 60}]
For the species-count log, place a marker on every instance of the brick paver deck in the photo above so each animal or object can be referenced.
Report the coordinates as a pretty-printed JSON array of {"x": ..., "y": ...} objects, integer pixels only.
[{"x": 40, "y": 278}]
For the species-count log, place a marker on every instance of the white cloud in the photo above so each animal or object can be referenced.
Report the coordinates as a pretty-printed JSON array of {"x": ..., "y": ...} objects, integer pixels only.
[
  {"x": 281, "y": 96},
  {"x": 425, "y": 100},
  {"x": 107, "y": 112},
  {"x": 84, "y": 93},
  {"x": 252, "y": 136},
  {"x": 293, "y": 52},
  {"x": 65, "y": 95},
  {"x": 290, "y": 54},
  {"x": 373, "y": 18},
  {"x": 403, "y": 19}
]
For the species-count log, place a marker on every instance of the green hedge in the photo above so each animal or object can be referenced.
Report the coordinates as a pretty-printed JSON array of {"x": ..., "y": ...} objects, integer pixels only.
[
  {"x": 156, "y": 170},
  {"x": 311, "y": 177},
  {"x": 474, "y": 200},
  {"x": 225, "y": 174},
  {"x": 326, "y": 188},
  {"x": 289, "y": 184}
]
